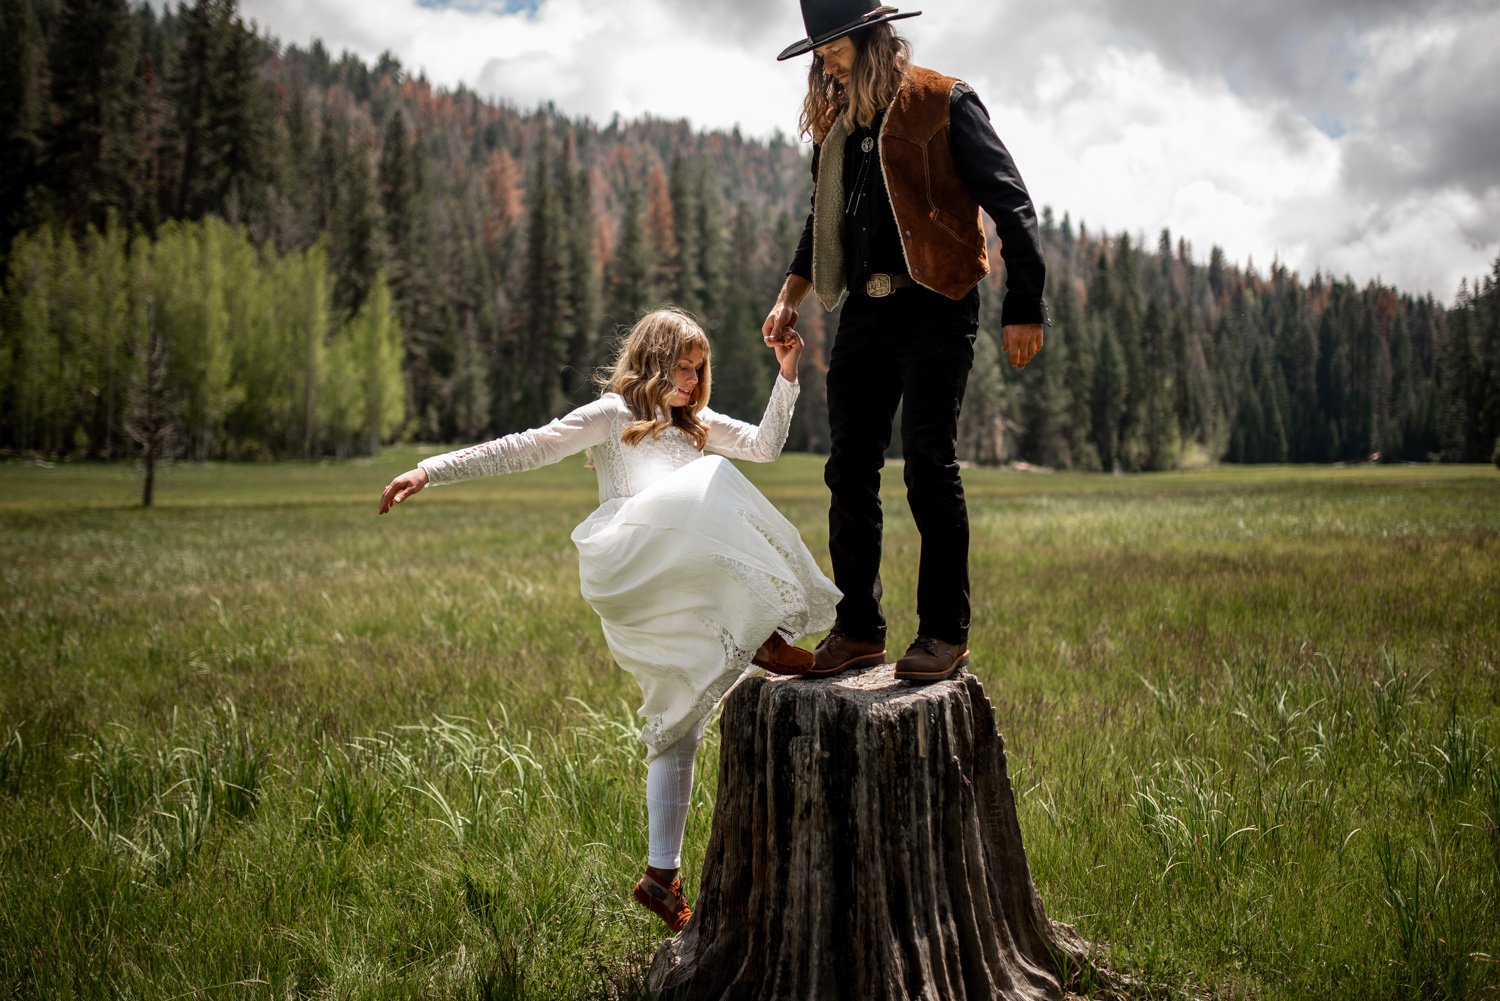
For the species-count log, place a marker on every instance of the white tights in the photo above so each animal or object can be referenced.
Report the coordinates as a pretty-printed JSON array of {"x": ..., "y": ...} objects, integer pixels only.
[{"x": 669, "y": 790}]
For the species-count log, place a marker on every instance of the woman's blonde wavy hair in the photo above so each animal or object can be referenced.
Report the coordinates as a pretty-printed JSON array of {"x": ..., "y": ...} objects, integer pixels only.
[
  {"x": 882, "y": 61},
  {"x": 643, "y": 376}
]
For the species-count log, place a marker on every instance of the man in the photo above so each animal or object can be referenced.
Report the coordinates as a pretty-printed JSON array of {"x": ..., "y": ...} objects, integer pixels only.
[{"x": 903, "y": 159}]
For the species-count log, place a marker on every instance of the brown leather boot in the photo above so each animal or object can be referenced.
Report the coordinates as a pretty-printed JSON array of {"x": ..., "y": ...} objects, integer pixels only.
[
  {"x": 930, "y": 659},
  {"x": 840, "y": 652},
  {"x": 780, "y": 657}
]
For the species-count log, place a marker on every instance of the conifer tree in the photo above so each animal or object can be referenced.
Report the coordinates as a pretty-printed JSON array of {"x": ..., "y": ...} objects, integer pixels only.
[
  {"x": 1160, "y": 440},
  {"x": 1126, "y": 317},
  {"x": 582, "y": 290},
  {"x": 1486, "y": 346},
  {"x": 630, "y": 288},
  {"x": 1048, "y": 399},
  {"x": 296, "y": 173},
  {"x": 686, "y": 288},
  {"x": 1296, "y": 353},
  {"x": 532, "y": 373},
  {"x": 712, "y": 244},
  {"x": 1108, "y": 394},
  {"x": 356, "y": 232},
  {"x": 94, "y": 148},
  {"x": 503, "y": 208},
  {"x": 429, "y": 332},
  {"x": 743, "y": 367},
  {"x": 661, "y": 225},
  {"x": 21, "y": 119},
  {"x": 218, "y": 135},
  {"x": 397, "y": 184},
  {"x": 1081, "y": 355},
  {"x": 982, "y": 429},
  {"x": 1469, "y": 372}
]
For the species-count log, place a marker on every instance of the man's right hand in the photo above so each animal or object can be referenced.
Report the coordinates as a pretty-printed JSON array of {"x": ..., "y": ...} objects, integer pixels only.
[
  {"x": 783, "y": 315},
  {"x": 781, "y": 318}
]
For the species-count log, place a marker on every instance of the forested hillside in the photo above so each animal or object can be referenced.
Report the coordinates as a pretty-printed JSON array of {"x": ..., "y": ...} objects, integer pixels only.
[{"x": 238, "y": 248}]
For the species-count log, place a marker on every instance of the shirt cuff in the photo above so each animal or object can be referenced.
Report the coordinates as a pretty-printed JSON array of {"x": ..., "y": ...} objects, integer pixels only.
[
  {"x": 1024, "y": 309},
  {"x": 433, "y": 467}
]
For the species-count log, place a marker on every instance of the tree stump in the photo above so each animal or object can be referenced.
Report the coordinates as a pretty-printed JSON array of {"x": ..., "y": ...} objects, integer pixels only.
[{"x": 864, "y": 846}]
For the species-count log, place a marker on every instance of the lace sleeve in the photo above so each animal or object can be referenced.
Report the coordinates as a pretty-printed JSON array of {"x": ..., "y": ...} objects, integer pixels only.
[
  {"x": 585, "y": 427},
  {"x": 762, "y": 443}
]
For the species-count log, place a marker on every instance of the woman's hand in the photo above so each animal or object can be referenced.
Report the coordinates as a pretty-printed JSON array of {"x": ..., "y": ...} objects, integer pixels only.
[
  {"x": 402, "y": 487},
  {"x": 788, "y": 347}
]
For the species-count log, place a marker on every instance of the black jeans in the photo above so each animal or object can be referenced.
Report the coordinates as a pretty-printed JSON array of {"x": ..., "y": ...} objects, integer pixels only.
[{"x": 914, "y": 348}]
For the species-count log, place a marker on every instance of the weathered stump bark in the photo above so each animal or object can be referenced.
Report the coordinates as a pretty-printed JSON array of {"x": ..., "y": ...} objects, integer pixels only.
[{"x": 864, "y": 846}]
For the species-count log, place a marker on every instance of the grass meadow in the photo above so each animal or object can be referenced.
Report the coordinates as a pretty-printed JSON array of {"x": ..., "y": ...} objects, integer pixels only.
[{"x": 259, "y": 743}]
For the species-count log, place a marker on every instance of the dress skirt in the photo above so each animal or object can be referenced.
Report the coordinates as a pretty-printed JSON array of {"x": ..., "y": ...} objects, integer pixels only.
[{"x": 689, "y": 577}]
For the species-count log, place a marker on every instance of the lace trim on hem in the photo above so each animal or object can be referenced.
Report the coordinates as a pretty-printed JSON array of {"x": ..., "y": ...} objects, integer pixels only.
[{"x": 658, "y": 737}]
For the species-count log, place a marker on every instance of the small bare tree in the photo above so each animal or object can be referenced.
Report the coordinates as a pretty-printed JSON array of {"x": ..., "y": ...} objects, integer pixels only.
[{"x": 152, "y": 412}]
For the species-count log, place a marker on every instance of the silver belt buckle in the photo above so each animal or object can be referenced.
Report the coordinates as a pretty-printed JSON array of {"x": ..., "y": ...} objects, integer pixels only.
[{"x": 878, "y": 286}]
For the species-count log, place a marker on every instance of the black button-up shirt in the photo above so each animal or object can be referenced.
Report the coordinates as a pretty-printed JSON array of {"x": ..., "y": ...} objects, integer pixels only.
[{"x": 872, "y": 244}]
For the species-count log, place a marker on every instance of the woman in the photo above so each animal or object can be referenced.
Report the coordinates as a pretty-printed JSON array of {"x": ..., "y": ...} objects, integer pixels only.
[{"x": 693, "y": 573}]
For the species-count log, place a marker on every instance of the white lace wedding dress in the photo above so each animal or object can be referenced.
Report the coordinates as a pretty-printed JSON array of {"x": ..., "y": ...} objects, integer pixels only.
[{"x": 689, "y": 567}]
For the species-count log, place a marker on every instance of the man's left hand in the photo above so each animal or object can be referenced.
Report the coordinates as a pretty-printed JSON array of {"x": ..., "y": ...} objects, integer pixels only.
[{"x": 1022, "y": 341}]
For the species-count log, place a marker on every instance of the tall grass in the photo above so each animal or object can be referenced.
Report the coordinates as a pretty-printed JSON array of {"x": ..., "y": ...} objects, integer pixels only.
[{"x": 259, "y": 743}]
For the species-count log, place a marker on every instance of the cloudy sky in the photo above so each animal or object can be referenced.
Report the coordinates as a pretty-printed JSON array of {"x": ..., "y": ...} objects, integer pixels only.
[{"x": 1356, "y": 137}]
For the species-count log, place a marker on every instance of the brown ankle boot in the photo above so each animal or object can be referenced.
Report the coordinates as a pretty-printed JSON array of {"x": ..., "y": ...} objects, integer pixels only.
[
  {"x": 930, "y": 659},
  {"x": 840, "y": 652},
  {"x": 780, "y": 657}
]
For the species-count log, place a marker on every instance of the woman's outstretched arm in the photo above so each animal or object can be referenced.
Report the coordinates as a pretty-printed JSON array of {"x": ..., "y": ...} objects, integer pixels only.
[{"x": 585, "y": 427}]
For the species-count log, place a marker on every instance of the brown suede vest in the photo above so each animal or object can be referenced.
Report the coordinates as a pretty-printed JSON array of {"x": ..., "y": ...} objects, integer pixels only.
[{"x": 941, "y": 235}]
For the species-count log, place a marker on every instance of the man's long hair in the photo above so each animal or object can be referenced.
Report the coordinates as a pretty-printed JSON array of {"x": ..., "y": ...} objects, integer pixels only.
[
  {"x": 882, "y": 61},
  {"x": 643, "y": 374}
]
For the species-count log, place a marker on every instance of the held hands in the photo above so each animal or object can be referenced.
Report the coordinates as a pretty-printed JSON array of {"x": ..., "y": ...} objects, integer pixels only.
[
  {"x": 1021, "y": 342},
  {"x": 402, "y": 487},
  {"x": 780, "y": 335},
  {"x": 779, "y": 330},
  {"x": 782, "y": 317},
  {"x": 788, "y": 346}
]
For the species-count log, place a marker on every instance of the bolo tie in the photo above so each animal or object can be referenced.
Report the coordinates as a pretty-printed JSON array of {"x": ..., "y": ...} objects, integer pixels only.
[{"x": 861, "y": 180}]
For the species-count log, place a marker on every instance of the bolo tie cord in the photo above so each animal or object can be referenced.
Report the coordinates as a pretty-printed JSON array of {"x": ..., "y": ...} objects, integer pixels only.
[{"x": 857, "y": 195}]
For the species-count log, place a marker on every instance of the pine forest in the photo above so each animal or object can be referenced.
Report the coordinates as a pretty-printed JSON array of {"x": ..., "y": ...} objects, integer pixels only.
[{"x": 218, "y": 246}]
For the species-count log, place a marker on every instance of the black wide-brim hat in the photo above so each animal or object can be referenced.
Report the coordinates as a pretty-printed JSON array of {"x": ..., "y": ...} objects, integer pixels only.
[{"x": 829, "y": 20}]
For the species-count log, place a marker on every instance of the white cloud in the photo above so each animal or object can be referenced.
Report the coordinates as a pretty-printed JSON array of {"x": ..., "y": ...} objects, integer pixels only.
[
  {"x": 634, "y": 60},
  {"x": 1122, "y": 143},
  {"x": 589, "y": 58},
  {"x": 1119, "y": 135}
]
